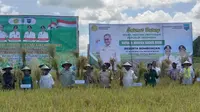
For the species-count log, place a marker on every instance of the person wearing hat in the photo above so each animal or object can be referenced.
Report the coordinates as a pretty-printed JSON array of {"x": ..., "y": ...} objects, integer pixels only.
[
  {"x": 8, "y": 78},
  {"x": 129, "y": 75},
  {"x": 174, "y": 72},
  {"x": 27, "y": 79},
  {"x": 3, "y": 35},
  {"x": 29, "y": 36},
  {"x": 67, "y": 76},
  {"x": 14, "y": 36},
  {"x": 105, "y": 77},
  {"x": 46, "y": 79},
  {"x": 187, "y": 74},
  {"x": 88, "y": 75},
  {"x": 150, "y": 76},
  {"x": 182, "y": 56},
  {"x": 167, "y": 55},
  {"x": 43, "y": 35}
]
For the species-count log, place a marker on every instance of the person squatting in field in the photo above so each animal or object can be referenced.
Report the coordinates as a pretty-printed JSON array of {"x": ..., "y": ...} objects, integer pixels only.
[
  {"x": 128, "y": 75},
  {"x": 150, "y": 76},
  {"x": 8, "y": 78}
]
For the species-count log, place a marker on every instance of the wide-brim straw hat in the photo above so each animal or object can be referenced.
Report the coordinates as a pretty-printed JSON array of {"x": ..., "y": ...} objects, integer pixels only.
[
  {"x": 45, "y": 67},
  {"x": 66, "y": 63},
  {"x": 107, "y": 64},
  {"x": 7, "y": 67},
  {"x": 26, "y": 68},
  {"x": 40, "y": 66},
  {"x": 88, "y": 66},
  {"x": 187, "y": 63},
  {"x": 127, "y": 64}
]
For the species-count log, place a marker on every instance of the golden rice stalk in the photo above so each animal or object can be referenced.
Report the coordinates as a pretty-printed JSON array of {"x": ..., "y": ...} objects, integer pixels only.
[
  {"x": 141, "y": 70},
  {"x": 37, "y": 73},
  {"x": 119, "y": 73},
  {"x": 83, "y": 62},
  {"x": 23, "y": 56},
  {"x": 18, "y": 74},
  {"x": 96, "y": 75},
  {"x": 100, "y": 62},
  {"x": 112, "y": 62},
  {"x": 165, "y": 66},
  {"x": 55, "y": 66},
  {"x": 75, "y": 53},
  {"x": 52, "y": 51},
  {"x": 183, "y": 59}
]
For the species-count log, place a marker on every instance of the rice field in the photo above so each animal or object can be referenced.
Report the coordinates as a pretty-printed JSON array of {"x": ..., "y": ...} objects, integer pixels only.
[{"x": 167, "y": 96}]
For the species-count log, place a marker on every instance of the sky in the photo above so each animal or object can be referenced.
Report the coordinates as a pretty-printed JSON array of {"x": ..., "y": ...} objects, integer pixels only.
[{"x": 109, "y": 11}]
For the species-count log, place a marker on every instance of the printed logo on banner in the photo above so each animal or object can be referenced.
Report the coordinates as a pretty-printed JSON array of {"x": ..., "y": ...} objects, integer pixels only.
[
  {"x": 15, "y": 21},
  {"x": 94, "y": 28},
  {"x": 186, "y": 26},
  {"x": 29, "y": 21}
]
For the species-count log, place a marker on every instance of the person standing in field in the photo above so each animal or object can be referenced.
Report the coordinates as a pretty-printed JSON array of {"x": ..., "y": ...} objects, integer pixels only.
[
  {"x": 3, "y": 35},
  {"x": 174, "y": 72},
  {"x": 157, "y": 69},
  {"x": 67, "y": 76},
  {"x": 8, "y": 78},
  {"x": 105, "y": 77},
  {"x": 150, "y": 76},
  {"x": 88, "y": 75},
  {"x": 187, "y": 73},
  {"x": 46, "y": 80},
  {"x": 129, "y": 75},
  {"x": 27, "y": 79}
]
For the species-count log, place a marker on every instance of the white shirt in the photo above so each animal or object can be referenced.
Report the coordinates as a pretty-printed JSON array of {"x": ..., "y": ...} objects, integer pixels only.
[
  {"x": 3, "y": 34},
  {"x": 14, "y": 34},
  {"x": 107, "y": 52},
  {"x": 46, "y": 81},
  {"x": 43, "y": 35},
  {"x": 157, "y": 69},
  {"x": 128, "y": 78},
  {"x": 29, "y": 34}
]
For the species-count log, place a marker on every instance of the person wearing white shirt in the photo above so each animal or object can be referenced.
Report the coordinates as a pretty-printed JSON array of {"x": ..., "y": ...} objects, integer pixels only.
[
  {"x": 3, "y": 35},
  {"x": 43, "y": 36},
  {"x": 46, "y": 80},
  {"x": 157, "y": 69},
  {"x": 29, "y": 36},
  {"x": 129, "y": 75},
  {"x": 14, "y": 36},
  {"x": 167, "y": 55}
]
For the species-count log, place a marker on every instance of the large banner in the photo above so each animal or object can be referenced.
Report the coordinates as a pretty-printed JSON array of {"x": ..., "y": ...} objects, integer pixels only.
[
  {"x": 140, "y": 42},
  {"x": 35, "y": 34}
]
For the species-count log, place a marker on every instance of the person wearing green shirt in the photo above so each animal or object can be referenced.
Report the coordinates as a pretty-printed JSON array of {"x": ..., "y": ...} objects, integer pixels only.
[
  {"x": 150, "y": 76},
  {"x": 27, "y": 81},
  {"x": 67, "y": 76},
  {"x": 187, "y": 73}
]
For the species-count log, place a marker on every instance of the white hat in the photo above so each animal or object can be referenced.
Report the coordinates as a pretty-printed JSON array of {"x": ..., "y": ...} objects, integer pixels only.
[
  {"x": 127, "y": 64},
  {"x": 7, "y": 67},
  {"x": 187, "y": 63},
  {"x": 66, "y": 63},
  {"x": 26, "y": 68},
  {"x": 88, "y": 66},
  {"x": 45, "y": 67}
]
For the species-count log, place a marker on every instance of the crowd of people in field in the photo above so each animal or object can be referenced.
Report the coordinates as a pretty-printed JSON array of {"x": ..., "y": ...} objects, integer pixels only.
[{"x": 67, "y": 76}]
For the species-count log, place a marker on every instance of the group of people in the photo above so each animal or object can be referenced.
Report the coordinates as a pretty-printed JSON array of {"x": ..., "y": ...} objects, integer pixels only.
[
  {"x": 67, "y": 76},
  {"x": 29, "y": 35}
]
